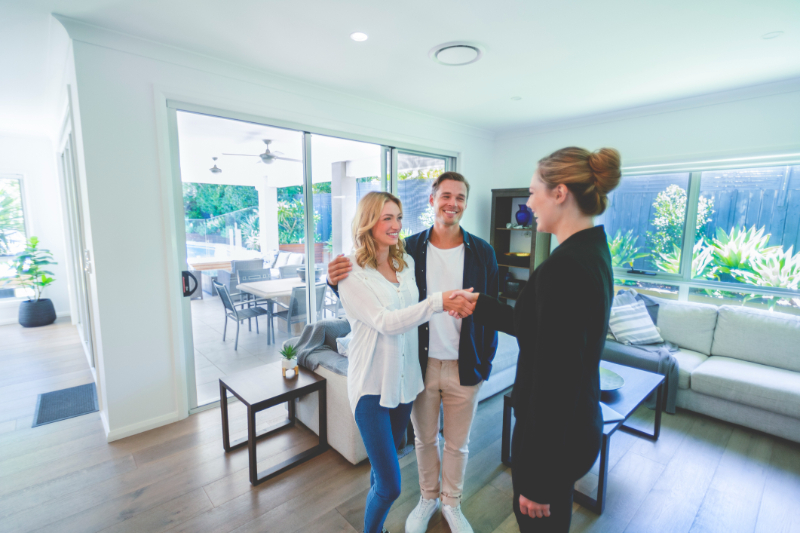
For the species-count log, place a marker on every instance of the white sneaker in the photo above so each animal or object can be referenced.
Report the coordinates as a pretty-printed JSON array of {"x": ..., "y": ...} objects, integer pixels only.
[
  {"x": 455, "y": 519},
  {"x": 417, "y": 521}
]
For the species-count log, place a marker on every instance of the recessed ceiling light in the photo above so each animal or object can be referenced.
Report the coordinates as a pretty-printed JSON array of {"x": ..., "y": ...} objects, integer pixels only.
[
  {"x": 358, "y": 36},
  {"x": 516, "y": 98},
  {"x": 455, "y": 54},
  {"x": 772, "y": 35}
]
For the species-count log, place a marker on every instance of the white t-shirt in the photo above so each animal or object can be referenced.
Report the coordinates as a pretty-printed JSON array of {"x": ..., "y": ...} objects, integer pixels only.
[{"x": 445, "y": 273}]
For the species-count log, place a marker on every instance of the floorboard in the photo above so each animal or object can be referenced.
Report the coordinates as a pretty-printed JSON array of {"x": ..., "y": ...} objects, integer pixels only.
[{"x": 702, "y": 475}]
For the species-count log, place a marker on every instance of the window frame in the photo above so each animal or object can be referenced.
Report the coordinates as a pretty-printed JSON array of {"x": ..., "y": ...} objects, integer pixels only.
[{"x": 684, "y": 280}]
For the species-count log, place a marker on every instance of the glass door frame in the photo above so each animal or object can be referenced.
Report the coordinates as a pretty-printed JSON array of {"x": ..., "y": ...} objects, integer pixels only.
[{"x": 388, "y": 176}]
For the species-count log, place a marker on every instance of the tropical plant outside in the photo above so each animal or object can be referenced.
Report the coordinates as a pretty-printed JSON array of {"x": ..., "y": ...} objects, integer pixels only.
[
  {"x": 741, "y": 255},
  {"x": 11, "y": 221},
  {"x": 28, "y": 271},
  {"x": 670, "y": 212}
]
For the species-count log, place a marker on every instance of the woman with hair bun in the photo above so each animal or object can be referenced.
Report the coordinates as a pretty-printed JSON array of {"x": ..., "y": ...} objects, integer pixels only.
[{"x": 560, "y": 321}]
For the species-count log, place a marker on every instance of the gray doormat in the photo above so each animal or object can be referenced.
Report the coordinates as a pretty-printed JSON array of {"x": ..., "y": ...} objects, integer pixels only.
[{"x": 66, "y": 403}]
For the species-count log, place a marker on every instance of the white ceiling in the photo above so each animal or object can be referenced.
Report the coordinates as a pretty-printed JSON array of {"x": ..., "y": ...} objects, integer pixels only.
[
  {"x": 565, "y": 59},
  {"x": 202, "y": 137}
]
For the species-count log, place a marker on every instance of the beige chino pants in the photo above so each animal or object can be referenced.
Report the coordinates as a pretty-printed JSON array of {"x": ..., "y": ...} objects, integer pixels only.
[{"x": 442, "y": 387}]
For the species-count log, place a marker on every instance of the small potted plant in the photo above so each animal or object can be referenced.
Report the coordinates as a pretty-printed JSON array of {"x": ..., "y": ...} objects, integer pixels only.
[
  {"x": 28, "y": 273},
  {"x": 289, "y": 361}
]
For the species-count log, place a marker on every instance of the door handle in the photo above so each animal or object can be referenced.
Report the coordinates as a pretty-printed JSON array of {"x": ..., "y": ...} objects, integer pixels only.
[{"x": 185, "y": 277}]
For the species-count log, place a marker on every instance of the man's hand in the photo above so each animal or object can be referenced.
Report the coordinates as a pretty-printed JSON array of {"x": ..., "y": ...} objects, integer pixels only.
[
  {"x": 338, "y": 269},
  {"x": 459, "y": 303},
  {"x": 533, "y": 509}
]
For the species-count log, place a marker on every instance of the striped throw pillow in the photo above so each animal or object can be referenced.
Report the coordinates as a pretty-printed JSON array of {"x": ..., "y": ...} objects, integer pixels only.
[{"x": 631, "y": 324}]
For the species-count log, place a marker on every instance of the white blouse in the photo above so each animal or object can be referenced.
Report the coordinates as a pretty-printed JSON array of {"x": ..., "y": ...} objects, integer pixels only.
[{"x": 384, "y": 351}]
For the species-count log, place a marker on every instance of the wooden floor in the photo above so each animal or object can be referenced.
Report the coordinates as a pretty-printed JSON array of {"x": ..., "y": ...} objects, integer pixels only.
[{"x": 702, "y": 475}]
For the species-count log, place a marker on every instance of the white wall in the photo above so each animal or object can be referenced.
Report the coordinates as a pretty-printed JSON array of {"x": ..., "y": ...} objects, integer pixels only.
[
  {"x": 34, "y": 158},
  {"x": 122, "y": 121},
  {"x": 752, "y": 122}
]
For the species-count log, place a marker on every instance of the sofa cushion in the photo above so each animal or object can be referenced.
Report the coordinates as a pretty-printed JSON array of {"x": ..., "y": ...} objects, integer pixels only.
[
  {"x": 689, "y": 325},
  {"x": 632, "y": 324},
  {"x": 281, "y": 259},
  {"x": 296, "y": 259},
  {"x": 764, "y": 337},
  {"x": 773, "y": 389},
  {"x": 688, "y": 360}
]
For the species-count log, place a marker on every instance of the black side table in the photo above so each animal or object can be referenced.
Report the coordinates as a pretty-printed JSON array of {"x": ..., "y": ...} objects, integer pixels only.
[
  {"x": 639, "y": 384},
  {"x": 264, "y": 387}
]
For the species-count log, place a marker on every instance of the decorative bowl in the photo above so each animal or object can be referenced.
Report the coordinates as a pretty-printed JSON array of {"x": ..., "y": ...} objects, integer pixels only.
[{"x": 610, "y": 380}]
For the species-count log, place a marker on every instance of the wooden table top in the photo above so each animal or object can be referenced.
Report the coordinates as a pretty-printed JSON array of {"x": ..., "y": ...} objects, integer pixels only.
[
  {"x": 211, "y": 264},
  {"x": 272, "y": 288},
  {"x": 263, "y": 383}
]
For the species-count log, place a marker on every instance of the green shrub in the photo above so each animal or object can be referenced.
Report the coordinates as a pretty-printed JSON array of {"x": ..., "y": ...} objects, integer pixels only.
[{"x": 670, "y": 213}]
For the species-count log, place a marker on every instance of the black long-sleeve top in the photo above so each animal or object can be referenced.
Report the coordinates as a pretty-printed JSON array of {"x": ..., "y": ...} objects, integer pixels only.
[{"x": 560, "y": 321}]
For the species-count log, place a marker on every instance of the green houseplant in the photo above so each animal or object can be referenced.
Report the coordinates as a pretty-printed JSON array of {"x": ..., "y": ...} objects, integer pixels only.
[
  {"x": 289, "y": 361},
  {"x": 29, "y": 272}
]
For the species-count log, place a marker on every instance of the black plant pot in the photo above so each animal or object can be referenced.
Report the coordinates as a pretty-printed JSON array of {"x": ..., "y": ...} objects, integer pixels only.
[{"x": 35, "y": 314}]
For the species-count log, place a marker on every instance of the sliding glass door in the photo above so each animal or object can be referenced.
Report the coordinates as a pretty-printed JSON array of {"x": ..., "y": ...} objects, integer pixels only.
[{"x": 270, "y": 207}]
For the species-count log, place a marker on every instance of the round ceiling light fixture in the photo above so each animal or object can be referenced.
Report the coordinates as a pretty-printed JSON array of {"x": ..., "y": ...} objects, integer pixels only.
[
  {"x": 772, "y": 35},
  {"x": 516, "y": 98},
  {"x": 456, "y": 54},
  {"x": 359, "y": 36}
]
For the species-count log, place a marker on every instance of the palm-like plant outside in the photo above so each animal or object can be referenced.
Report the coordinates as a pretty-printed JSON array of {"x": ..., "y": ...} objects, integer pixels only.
[
  {"x": 10, "y": 220},
  {"x": 624, "y": 250}
]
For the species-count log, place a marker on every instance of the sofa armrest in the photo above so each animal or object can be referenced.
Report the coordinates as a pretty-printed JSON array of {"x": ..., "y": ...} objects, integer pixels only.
[{"x": 659, "y": 362}]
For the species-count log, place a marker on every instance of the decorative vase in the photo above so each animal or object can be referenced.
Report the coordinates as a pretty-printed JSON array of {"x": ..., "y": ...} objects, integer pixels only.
[
  {"x": 524, "y": 215},
  {"x": 34, "y": 314},
  {"x": 289, "y": 364}
]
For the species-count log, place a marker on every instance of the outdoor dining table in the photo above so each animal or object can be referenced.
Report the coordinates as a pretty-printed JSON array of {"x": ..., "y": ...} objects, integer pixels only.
[{"x": 272, "y": 289}]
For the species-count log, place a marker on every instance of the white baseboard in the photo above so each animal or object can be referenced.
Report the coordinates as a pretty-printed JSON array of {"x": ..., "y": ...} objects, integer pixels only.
[
  {"x": 140, "y": 427},
  {"x": 14, "y": 320}
]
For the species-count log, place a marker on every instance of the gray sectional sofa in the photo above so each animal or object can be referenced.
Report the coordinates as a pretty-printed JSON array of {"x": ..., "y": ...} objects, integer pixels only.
[{"x": 735, "y": 363}]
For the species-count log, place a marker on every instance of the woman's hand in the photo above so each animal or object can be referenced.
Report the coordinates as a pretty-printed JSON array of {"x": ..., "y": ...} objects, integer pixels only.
[
  {"x": 459, "y": 303},
  {"x": 533, "y": 509},
  {"x": 338, "y": 269}
]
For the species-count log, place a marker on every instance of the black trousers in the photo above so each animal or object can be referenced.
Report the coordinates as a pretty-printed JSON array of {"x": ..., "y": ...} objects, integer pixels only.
[
  {"x": 560, "y": 506},
  {"x": 557, "y": 522}
]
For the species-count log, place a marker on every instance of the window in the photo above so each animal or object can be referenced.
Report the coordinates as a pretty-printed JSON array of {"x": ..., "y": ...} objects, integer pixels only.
[
  {"x": 645, "y": 222},
  {"x": 12, "y": 231},
  {"x": 745, "y": 243},
  {"x": 415, "y": 175}
]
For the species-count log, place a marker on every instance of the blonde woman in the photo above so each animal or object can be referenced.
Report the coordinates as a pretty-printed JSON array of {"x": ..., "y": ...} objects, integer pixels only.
[{"x": 382, "y": 303}]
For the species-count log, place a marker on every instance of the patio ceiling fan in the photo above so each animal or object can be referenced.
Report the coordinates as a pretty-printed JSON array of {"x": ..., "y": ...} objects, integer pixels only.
[{"x": 269, "y": 156}]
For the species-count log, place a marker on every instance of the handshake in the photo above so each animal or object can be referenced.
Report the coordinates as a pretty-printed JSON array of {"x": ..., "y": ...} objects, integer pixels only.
[{"x": 460, "y": 303}]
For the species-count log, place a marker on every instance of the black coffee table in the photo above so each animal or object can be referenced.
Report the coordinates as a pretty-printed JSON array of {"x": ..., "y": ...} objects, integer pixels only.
[
  {"x": 264, "y": 387},
  {"x": 639, "y": 384}
]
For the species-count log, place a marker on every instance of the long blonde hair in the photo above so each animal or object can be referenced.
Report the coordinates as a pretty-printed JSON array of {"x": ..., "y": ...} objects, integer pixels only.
[{"x": 367, "y": 215}]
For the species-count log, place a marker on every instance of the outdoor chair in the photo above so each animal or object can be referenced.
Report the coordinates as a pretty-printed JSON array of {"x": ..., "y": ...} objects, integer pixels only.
[
  {"x": 229, "y": 279},
  {"x": 239, "y": 315},
  {"x": 296, "y": 311},
  {"x": 247, "y": 276},
  {"x": 289, "y": 271},
  {"x": 332, "y": 303}
]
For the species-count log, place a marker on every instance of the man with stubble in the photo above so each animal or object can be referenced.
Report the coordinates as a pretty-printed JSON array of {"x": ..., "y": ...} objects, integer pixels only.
[{"x": 455, "y": 354}]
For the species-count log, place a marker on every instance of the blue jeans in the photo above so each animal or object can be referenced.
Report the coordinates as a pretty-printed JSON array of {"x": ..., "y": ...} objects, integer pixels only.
[{"x": 382, "y": 429}]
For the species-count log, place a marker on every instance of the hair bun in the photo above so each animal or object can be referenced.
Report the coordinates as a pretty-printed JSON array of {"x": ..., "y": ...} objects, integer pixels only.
[{"x": 605, "y": 165}]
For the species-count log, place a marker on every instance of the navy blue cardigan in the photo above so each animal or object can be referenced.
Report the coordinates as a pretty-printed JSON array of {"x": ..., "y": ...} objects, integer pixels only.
[{"x": 478, "y": 343}]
